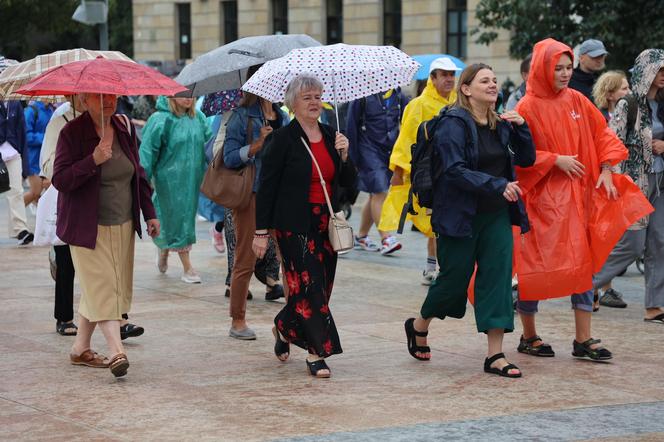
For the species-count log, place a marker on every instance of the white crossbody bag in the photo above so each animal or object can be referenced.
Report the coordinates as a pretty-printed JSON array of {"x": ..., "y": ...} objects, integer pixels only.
[{"x": 339, "y": 231}]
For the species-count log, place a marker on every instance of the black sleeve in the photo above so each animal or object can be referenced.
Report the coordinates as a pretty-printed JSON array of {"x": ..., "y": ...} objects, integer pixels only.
[{"x": 273, "y": 159}]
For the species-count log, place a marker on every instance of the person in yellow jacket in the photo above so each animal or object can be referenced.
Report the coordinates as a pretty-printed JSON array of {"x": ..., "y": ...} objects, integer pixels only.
[{"x": 438, "y": 93}]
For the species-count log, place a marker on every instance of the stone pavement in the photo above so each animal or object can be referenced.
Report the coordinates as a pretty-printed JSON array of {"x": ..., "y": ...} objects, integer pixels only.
[{"x": 189, "y": 381}]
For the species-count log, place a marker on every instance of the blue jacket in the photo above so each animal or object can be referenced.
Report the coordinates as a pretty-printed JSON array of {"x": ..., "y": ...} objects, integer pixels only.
[
  {"x": 460, "y": 183},
  {"x": 35, "y": 127},
  {"x": 236, "y": 148},
  {"x": 12, "y": 129}
]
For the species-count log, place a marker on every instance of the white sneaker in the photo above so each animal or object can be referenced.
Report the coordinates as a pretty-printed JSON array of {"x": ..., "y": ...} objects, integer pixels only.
[
  {"x": 217, "y": 240},
  {"x": 390, "y": 245},
  {"x": 428, "y": 276},
  {"x": 162, "y": 260},
  {"x": 365, "y": 243},
  {"x": 191, "y": 277}
]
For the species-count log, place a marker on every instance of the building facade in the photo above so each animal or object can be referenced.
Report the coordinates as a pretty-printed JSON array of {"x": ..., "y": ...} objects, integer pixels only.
[{"x": 166, "y": 30}]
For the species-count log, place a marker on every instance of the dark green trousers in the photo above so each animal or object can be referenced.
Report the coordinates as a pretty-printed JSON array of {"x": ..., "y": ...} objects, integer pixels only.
[{"x": 490, "y": 247}]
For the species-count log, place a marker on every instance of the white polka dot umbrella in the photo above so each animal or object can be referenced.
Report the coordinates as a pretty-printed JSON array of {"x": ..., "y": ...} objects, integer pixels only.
[{"x": 348, "y": 72}]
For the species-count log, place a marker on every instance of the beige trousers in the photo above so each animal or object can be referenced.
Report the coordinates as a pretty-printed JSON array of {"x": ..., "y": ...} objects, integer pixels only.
[{"x": 17, "y": 217}]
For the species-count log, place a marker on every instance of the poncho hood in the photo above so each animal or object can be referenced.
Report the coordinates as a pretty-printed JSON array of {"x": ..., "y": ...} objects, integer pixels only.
[
  {"x": 646, "y": 66},
  {"x": 546, "y": 54}
]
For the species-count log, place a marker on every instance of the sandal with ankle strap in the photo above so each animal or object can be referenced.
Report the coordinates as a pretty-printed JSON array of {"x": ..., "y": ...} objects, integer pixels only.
[
  {"x": 505, "y": 371},
  {"x": 281, "y": 348},
  {"x": 119, "y": 365},
  {"x": 316, "y": 367},
  {"x": 413, "y": 348},
  {"x": 584, "y": 350},
  {"x": 543, "y": 350}
]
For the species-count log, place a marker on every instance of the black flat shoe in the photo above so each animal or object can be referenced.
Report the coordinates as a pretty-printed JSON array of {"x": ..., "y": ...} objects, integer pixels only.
[
  {"x": 413, "y": 348},
  {"x": 276, "y": 292},
  {"x": 281, "y": 348},
  {"x": 130, "y": 331},
  {"x": 227, "y": 294},
  {"x": 316, "y": 367},
  {"x": 505, "y": 371}
]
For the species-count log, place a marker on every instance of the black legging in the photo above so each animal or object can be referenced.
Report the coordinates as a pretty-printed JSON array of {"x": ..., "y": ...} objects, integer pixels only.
[{"x": 64, "y": 284}]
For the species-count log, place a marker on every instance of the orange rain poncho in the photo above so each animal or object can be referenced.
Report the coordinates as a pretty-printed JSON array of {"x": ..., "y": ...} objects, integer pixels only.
[{"x": 574, "y": 226}]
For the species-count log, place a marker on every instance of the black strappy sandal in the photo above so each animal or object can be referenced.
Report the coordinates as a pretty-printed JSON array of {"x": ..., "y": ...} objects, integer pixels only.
[
  {"x": 543, "y": 350},
  {"x": 505, "y": 371},
  {"x": 584, "y": 350},
  {"x": 280, "y": 347},
  {"x": 316, "y": 367},
  {"x": 413, "y": 348},
  {"x": 63, "y": 327}
]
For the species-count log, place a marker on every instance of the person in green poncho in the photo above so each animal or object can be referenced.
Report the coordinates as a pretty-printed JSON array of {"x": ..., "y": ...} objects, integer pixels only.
[{"x": 173, "y": 156}]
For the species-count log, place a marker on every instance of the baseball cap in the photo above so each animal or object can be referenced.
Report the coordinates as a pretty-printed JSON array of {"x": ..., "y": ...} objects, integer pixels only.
[
  {"x": 444, "y": 64},
  {"x": 594, "y": 48}
]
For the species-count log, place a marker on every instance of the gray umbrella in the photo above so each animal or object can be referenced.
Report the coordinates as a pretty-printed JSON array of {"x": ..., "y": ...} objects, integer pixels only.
[{"x": 226, "y": 67}]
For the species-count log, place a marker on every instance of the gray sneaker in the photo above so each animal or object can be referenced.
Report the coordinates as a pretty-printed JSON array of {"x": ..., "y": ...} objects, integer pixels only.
[
  {"x": 246, "y": 334},
  {"x": 612, "y": 298}
]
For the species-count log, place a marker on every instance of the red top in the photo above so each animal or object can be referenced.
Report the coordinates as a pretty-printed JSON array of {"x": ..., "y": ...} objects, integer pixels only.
[{"x": 326, "y": 165}]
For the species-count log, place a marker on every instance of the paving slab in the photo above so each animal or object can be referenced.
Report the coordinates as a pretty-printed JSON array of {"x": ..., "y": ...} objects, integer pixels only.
[{"x": 189, "y": 381}]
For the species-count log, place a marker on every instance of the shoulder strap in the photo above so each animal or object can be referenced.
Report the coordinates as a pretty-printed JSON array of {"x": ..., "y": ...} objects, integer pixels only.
[
  {"x": 250, "y": 129},
  {"x": 320, "y": 174},
  {"x": 35, "y": 114}
]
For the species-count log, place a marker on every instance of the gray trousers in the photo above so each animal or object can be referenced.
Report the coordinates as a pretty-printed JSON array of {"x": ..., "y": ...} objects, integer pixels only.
[{"x": 634, "y": 243}]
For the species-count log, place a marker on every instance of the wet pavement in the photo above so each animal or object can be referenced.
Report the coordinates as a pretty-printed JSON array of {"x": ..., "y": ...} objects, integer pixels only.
[{"x": 189, "y": 381}]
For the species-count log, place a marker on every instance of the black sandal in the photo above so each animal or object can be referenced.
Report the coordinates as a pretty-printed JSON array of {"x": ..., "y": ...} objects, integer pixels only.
[
  {"x": 543, "y": 350},
  {"x": 413, "y": 348},
  {"x": 584, "y": 350},
  {"x": 505, "y": 371},
  {"x": 130, "y": 331},
  {"x": 657, "y": 319},
  {"x": 315, "y": 368},
  {"x": 62, "y": 327},
  {"x": 280, "y": 347}
]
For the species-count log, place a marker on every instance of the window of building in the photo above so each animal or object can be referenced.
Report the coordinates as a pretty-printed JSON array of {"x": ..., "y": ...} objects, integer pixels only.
[
  {"x": 457, "y": 20},
  {"x": 392, "y": 23},
  {"x": 280, "y": 16},
  {"x": 335, "y": 18},
  {"x": 229, "y": 21},
  {"x": 184, "y": 30}
]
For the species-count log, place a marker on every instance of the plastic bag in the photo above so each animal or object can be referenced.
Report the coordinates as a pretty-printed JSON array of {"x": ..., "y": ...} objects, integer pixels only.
[{"x": 47, "y": 216}]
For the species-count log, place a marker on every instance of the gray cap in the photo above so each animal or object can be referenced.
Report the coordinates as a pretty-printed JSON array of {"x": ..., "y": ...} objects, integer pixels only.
[{"x": 593, "y": 48}]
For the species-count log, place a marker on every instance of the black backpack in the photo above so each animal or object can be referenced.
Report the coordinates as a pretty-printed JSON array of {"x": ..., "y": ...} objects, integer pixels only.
[{"x": 425, "y": 168}]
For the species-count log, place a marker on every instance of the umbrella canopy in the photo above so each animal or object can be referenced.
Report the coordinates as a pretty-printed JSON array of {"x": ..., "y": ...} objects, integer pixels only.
[
  {"x": 348, "y": 72},
  {"x": 226, "y": 67},
  {"x": 102, "y": 76},
  {"x": 221, "y": 102},
  {"x": 16, "y": 76},
  {"x": 6, "y": 62},
  {"x": 426, "y": 59}
]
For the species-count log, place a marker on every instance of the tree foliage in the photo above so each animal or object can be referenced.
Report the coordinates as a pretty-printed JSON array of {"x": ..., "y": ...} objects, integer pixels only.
[
  {"x": 625, "y": 26},
  {"x": 32, "y": 27}
]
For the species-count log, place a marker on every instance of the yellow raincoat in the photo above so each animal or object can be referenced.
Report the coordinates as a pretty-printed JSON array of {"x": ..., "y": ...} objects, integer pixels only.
[{"x": 419, "y": 110}]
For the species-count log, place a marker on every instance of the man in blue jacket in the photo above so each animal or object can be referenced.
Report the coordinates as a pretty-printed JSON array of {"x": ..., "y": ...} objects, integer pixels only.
[
  {"x": 372, "y": 128},
  {"x": 37, "y": 115},
  {"x": 13, "y": 149}
]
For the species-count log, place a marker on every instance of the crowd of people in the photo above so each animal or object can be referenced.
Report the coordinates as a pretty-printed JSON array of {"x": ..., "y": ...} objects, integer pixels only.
[{"x": 559, "y": 189}]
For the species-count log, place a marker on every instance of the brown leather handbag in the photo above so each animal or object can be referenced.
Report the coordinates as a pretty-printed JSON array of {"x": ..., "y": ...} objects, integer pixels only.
[{"x": 230, "y": 188}]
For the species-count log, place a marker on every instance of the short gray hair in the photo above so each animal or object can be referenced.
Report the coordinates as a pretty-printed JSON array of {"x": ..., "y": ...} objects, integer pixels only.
[{"x": 304, "y": 82}]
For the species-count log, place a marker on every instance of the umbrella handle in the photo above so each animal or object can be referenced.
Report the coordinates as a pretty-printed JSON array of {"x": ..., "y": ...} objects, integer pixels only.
[{"x": 336, "y": 108}]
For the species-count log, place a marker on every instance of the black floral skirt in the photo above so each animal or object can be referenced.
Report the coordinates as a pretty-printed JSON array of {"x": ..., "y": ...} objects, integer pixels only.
[{"x": 309, "y": 264}]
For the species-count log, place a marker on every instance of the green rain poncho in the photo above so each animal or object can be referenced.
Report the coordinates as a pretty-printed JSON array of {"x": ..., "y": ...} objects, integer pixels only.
[{"x": 173, "y": 156}]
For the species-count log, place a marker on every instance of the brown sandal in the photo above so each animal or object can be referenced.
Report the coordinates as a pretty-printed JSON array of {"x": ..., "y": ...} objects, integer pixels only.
[
  {"x": 119, "y": 365},
  {"x": 89, "y": 358}
]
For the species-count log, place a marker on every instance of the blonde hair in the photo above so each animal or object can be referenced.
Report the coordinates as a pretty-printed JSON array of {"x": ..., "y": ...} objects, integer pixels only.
[
  {"x": 609, "y": 82},
  {"x": 191, "y": 112},
  {"x": 467, "y": 76}
]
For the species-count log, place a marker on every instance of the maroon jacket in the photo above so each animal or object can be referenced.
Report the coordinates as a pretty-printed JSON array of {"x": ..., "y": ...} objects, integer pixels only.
[{"x": 78, "y": 180}]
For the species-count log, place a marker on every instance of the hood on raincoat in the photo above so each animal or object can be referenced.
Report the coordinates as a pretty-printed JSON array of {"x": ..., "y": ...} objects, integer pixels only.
[
  {"x": 546, "y": 54},
  {"x": 646, "y": 66},
  {"x": 162, "y": 104}
]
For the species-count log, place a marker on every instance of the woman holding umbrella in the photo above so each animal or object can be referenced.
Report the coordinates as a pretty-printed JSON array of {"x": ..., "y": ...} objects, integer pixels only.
[
  {"x": 291, "y": 200},
  {"x": 102, "y": 189}
]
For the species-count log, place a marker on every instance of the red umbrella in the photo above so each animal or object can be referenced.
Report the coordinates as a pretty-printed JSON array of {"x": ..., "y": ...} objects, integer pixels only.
[{"x": 101, "y": 76}]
